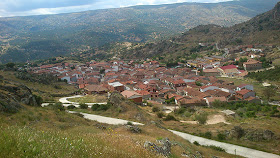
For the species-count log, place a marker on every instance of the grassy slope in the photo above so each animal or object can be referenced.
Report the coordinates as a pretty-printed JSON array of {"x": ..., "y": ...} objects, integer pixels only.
[
  {"x": 90, "y": 99},
  {"x": 44, "y": 132},
  {"x": 48, "y": 92}
]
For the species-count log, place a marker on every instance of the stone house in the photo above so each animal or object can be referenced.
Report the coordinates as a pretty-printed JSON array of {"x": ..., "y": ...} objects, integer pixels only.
[
  {"x": 244, "y": 94},
  {"x": 252, "y": 65}
]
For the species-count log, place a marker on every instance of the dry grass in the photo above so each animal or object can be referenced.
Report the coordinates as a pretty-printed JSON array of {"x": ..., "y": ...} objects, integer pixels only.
[{"x": 44, "y": 132}]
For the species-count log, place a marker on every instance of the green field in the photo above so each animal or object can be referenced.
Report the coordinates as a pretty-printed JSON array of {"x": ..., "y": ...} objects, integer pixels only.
[{"x": 90, "y": 99}]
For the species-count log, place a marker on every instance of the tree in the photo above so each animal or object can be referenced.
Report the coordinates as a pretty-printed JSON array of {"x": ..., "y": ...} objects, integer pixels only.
[
  {"x": 10, "y": 65},
  {"x": 198, "y": 83},
  {"x": 201, "y": 118},
  {"x": 269, "y": 92}
]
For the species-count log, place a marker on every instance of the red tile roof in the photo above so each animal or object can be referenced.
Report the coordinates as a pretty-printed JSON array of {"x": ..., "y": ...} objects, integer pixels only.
[
  {"x": 243, "y": 91},
  {"x": 229, "y": 67},
  {"x": 129, "y": 93},
  {"x": 222, "y": 99}
]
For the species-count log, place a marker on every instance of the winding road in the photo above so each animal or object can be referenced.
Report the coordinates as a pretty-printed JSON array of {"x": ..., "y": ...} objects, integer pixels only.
[{"x": 230, "y": 148}]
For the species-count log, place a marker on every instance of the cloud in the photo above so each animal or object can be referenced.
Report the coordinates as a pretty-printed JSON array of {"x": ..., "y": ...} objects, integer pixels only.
[{"x": 38, "y": 7}]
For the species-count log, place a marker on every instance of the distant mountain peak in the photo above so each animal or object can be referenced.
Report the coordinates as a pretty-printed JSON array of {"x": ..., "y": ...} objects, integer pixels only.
[{"x": 277, "y": 10}]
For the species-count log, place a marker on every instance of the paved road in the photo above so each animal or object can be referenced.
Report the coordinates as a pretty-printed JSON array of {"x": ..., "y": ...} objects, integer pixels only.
[
  {"x": 242, "y": 151},
  {"x": 103, "y": 119}
]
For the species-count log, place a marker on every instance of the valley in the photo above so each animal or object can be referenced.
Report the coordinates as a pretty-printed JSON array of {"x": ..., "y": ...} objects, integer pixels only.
[{"x": 127, "y": 82}]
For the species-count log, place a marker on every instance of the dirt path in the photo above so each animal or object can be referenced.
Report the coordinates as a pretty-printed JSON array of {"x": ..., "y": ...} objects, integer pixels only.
[{"x": 215, "y": 119}]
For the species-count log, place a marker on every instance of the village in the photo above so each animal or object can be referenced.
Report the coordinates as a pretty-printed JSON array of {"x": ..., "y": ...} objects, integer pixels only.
[{"x": 195, "y": 83}]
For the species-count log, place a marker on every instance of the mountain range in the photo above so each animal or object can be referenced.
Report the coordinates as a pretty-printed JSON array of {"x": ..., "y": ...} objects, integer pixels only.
[
  {"x": 44, "y": 36},
  {"x": 260, "y": 30}
]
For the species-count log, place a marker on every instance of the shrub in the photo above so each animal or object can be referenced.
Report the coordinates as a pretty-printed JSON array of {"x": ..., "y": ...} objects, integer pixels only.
[
  {"x": 129, "y": 123},
  {"x": 201, "y": 118},
  {"x": 155, "y": 109},
  {"x": 160, "y": 114},
  {"x": 59, "y": 106},
  {"x": 180, "y": 111},
  {"x": 221, "y": 136},
  {"x": 94, "y": 107},
  {"x": 250, "y": 114},
  {"x": 71, "y": 107},
  {"x": 104, "y": 107},
  {"x": 208, "y": 135},
  {"x": 170, "y": 117},
  {"x": 196, "y": 143},
  {"x": 83, "y": 106},
  {"x": 98, "y": 107},
  {"x": 38, "y": 99},
  {"x": 217, "y": 148},
  {"x": 187, "y": 114}
]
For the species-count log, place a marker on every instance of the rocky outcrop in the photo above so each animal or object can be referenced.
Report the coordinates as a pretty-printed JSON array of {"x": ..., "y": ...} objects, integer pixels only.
[
  {"x": 250, "y": 134},
  {"x": 133, "y": 129},
  {"x": 259, "y": 135},
  {"x": 164, "y": 149},
  {"x": 13, "y": 94}
]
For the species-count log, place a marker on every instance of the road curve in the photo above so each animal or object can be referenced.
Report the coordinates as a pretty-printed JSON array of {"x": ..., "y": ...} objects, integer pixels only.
[{"x": 230, "y": 148}]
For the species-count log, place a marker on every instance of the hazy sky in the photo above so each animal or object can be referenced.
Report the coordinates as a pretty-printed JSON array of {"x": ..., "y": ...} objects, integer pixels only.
[{"x": 38, "y": 7}]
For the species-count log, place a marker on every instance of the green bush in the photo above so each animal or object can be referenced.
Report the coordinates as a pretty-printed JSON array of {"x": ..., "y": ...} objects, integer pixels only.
[
  {"x": 170, "y": 118},
  {"x": 129, "y": 123},
  {"x": 187, "y": 114},
  {"x": 59, "y": 106},
  {"x": 38, "y": 99},
  {"x": 71, "y": 107},
  {"x": 217, "y": 148},
  {"x": 83, "y": 106},
  {"x": 160, "y": 114},
  {"x": 201, "y": 118},
  {"x": 180, "y": 111},
  {"x": 94, "y": 107},
  {"x": 196, "y": 143},
  {"x": 208, "y": 135},
  {"x": 155, "y": 109},
  {"x": 221, "y": 136},
  {"x": 98, "y": 107},
  {"x": 103, "y": 108}
]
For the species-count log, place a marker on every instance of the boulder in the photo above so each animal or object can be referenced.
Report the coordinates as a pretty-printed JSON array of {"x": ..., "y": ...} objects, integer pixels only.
[
  {"x": 164, "y": 150},
  {"x": 133, "y": 129}
]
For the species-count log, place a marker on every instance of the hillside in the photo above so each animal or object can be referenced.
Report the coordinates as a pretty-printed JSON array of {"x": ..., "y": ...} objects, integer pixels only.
[
  {"x": 28, "y": 130},
  {"x": 262, "y": 29},
  {"x": 40, "y": 37}
]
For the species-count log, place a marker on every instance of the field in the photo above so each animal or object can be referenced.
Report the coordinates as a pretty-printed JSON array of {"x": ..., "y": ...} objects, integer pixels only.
[{"x": 90, "y": 99}]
